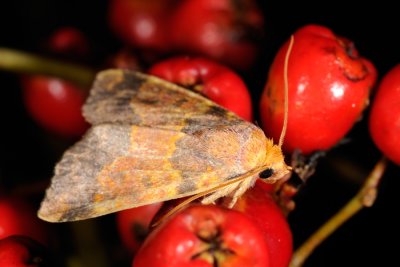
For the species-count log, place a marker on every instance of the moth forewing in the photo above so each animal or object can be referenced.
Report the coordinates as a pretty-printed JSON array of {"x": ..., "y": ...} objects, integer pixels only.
[
  {"x": 153, "y": 141},
  {"x": 164, "y": 142}
]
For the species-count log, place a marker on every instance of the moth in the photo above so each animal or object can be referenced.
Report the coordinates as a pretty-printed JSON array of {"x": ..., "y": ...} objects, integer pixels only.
[{"x": 152, "y": 141}]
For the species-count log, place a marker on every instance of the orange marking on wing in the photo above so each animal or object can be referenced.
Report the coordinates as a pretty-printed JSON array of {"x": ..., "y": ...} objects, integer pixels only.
[
  {"x": 152, "y": 142},
  {"x": 206, "y": 180},
  {"x": 166, "y": 192},
  {"x": 98, "y": 197}
]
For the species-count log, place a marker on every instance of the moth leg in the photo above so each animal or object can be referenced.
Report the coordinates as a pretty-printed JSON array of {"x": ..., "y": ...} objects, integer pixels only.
[
  {"x": 241, "y": 189},
  {"x": 224, "y": 191}
]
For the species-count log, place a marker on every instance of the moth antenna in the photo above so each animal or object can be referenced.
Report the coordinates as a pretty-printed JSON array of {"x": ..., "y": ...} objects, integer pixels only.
[
  {"x": 202, "y": 194},
  {"x": 286, "y": 85}
]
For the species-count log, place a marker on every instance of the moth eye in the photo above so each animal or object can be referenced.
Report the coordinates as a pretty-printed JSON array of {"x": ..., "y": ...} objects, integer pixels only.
[{"x": 265, "y": 174}]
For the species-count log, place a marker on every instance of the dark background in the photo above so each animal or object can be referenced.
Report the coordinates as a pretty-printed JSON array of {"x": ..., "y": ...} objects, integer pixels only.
[{"x": 368, "y": 239}]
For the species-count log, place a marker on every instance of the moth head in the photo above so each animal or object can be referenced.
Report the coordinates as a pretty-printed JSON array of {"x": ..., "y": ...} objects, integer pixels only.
[{"x": 274, "y": 167}]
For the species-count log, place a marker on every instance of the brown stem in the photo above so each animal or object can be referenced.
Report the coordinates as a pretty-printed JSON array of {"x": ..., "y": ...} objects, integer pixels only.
[
  {"x": 364, "y": 198},
  {"x": 22, "y": 62}
]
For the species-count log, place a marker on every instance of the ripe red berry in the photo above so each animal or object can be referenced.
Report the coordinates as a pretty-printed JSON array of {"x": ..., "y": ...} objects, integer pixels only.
[
  {"x": 259, "y": 205},
  {"x": 329, "y": 86},
  {"x": 55, "y": 104},
  {"x": 209, "y": 78},
  {"x": 224, "y": 30},
  {"x": 205, "y": 236},
  {"x": 17, "y": 217},
  {"x": 133, "y": 224},
  {"x": 384, "y": 121},
  {"x": 68, "y": 41},
  {"x": 142, "y": 24},
  {"x": 22, "y": 251}
]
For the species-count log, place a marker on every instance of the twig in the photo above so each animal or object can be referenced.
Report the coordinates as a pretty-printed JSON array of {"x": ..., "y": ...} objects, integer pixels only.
[
  {"x": 22, "y": 62},
  {"x": 364, "y": 198}
]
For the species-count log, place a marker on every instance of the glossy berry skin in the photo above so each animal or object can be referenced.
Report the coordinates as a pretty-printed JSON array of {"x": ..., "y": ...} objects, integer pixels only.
[
  {"x": 224, "y": 30},
  {"x": 22, "y": 251},
  {"x": 215, "y": 81},
  {"x": 384, "y": 120},
  {"x": 142, "y": 24},
  {"x": 329, "y": 86},
  {"x": 55, "y": 104},
  {"x": 133, "y": 225},
  {"x": 258, "y": 204},
  {"x": 17, "y": 217},
  {"x": 205, "y": 236}
]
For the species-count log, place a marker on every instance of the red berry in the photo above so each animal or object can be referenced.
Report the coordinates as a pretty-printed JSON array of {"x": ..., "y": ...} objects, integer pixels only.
[
  {"x": 142, "y": 24},
  {"x": 329, "y": 86},
  {"x": 221, "y": 29},
  {"x": 258, "y": 204},
  {"x": 55, "y": 104},
  {"x": 209, "y": 78},
  {"x": 133, "y": 224},
  {"x": 18, "y": 217},
  {"x": 206, "y": 236},
  {"x": 384, "y": 121},
  {"x": 22, "y": 251},
  {"x": 69, "y": 41}
]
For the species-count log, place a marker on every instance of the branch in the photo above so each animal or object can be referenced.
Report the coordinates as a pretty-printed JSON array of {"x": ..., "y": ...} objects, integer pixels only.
[
  {"x": 22, "y": 62},
  {"x": 364, "y": 198}
]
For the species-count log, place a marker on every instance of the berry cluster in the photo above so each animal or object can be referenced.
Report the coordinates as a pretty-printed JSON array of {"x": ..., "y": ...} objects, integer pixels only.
[{"x": 208, "y": 46}]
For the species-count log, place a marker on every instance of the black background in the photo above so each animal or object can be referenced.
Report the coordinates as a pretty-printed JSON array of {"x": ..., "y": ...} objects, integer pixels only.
[{"x": 368, "y": 239}]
